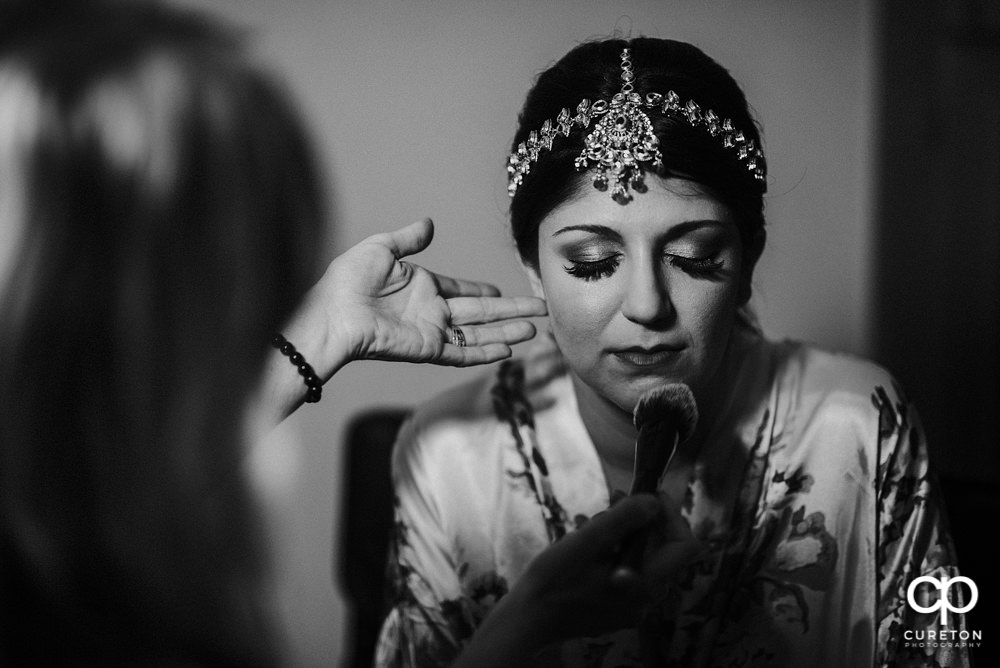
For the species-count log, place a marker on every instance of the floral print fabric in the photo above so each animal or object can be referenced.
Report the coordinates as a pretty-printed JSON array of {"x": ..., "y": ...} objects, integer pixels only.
[{"x": 812, "y": 495}]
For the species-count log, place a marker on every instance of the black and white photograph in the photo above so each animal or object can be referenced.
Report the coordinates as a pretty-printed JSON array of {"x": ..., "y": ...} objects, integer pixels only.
[{"x": 489, "y": 333}]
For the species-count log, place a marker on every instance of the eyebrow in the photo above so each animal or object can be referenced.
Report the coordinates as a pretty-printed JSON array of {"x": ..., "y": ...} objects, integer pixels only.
[
  {"x": 599, "y": 230},
  {"x": 677, "y": 230}
]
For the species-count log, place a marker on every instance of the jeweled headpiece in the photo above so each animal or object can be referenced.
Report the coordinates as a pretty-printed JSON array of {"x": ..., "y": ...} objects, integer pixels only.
[{"x": 623, "y": 141}]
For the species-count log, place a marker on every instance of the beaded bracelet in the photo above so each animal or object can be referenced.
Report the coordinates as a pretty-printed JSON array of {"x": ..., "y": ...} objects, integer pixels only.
[{"x": 314, "y": 386}]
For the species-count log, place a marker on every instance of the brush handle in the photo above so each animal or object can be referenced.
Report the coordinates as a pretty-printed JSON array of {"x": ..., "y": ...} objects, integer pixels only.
[
  {"x": 654, "y": 449},
  {"x": 652, "y": 457},
  {"x": 630, "y": 558}
]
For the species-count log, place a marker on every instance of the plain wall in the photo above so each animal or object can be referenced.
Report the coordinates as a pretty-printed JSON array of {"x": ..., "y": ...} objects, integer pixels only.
[{"x": 413, "y": 104}]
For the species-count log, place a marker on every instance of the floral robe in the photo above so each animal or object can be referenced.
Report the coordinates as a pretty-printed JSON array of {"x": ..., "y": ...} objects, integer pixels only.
[{"x": 812, "y": 494}]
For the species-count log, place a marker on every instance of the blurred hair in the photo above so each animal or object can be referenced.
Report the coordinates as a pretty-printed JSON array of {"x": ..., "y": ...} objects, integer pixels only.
[
  {"x": 167, "y": 211},
  {"x": 593, "y": 70}
]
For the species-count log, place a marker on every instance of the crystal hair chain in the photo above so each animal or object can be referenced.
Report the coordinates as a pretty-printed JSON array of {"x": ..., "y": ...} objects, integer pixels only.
[{"x": 623, "y": 141}]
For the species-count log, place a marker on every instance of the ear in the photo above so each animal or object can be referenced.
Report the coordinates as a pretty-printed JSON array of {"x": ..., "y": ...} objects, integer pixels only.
[
  {"x": 751, "y": 254},
  {"x": 534, "y": 280}
]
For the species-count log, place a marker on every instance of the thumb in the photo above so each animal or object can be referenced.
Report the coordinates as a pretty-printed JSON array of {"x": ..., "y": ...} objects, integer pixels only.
[
  {"x": 674, "y": 525},
  {"x": 411, "y": 239}
]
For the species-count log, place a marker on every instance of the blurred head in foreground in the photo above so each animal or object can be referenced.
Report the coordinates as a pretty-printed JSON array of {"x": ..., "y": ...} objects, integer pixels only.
[{"x": 159, "y": 218}]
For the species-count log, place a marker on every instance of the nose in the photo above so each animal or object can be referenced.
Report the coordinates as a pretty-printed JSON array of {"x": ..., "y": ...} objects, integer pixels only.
[{"x": 647, "y": 299}]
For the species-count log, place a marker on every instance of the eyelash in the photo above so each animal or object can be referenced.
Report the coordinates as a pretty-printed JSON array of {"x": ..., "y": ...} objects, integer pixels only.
[
  {"x": 593, "y": 270},
  {"x": 597, "y": 269},
  {"x": 697, "y": 266}
]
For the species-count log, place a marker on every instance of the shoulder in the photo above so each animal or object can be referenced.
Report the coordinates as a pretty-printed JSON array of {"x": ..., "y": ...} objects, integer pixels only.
[
  {"x": 466, "y": 425},
  {"x": 834, "y": 380},
  {"x": 448, "y": 423},
  {"x": 837, "y": 407}
]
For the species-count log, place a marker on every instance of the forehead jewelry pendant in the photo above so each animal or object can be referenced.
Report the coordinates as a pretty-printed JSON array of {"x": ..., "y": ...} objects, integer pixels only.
[{"x": 622, "y": 141}]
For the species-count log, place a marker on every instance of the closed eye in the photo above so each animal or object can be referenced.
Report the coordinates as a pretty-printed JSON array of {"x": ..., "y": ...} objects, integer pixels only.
[
  {"x": 593, "y": 270},
  {"x": 697, "y": 266}
]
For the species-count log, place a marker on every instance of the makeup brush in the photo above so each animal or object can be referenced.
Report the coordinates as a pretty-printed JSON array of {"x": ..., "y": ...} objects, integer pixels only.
[{"x": 665, "y": 417}]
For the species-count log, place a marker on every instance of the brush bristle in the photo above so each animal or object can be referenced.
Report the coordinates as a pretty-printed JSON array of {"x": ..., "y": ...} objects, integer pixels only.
[{"x": 672, "y": 403}]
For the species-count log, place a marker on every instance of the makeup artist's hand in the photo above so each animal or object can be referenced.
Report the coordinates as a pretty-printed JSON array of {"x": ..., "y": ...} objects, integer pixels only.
[
  {"x": 383, "y": 307},
  {"x": 373, "y": 304},
  {"x": 570, "y": 589}
]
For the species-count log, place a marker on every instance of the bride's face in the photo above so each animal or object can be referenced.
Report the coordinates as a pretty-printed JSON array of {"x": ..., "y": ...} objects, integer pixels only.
[{"x": 644, "y": 293}]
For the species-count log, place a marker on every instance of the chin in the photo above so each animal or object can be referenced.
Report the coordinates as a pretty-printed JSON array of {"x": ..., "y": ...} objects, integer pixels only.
[{"x": 626, "y": 395}]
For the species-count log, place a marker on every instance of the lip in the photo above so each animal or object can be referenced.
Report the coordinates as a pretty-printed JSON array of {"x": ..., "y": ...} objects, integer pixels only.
[{"x": 641, "y": 356}]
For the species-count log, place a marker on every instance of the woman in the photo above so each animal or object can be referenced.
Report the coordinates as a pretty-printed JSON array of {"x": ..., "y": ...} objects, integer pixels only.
[
  {"x": 637, "y": 181},
  {"x": 160, "y": 213}
]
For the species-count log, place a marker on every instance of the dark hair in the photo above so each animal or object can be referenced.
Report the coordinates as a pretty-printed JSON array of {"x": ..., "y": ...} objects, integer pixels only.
[
  {"x": 593, "y": 70},
  {"x": 170, "y": 214}
]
